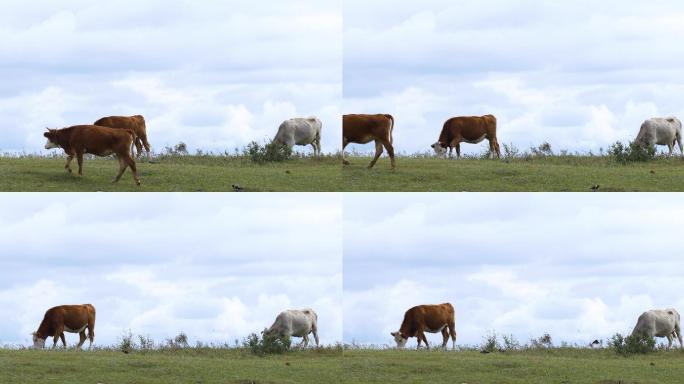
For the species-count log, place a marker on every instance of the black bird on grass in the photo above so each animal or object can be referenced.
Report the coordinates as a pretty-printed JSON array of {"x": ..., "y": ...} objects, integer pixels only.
[
  {"x": 238, "y": 188},
  {"x": 595, "y": 187}
]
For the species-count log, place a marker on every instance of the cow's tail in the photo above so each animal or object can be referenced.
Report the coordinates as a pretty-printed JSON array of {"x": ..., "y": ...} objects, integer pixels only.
[{"x": 391, "y": 128}]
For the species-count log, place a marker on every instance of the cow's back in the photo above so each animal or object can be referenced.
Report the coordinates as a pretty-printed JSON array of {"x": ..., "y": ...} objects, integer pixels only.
[{"x": 135, "y": 123}]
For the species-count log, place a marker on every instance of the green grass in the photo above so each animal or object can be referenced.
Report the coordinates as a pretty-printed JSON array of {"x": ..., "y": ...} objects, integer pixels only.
[
  {"x": 192, "y": 365},
  {"x": 557, "y": 173},
  {"x": 219, "y": 173},
  {"x": 330, "y": 365},
  {"x": 173, "y": 173},
  {"x": 562, "y": 365}
]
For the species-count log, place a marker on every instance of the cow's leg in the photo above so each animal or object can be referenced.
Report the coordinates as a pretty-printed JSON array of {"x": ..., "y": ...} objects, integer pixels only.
[
  {"x": 314, "y": 330},
  {"x": 344, "y": 145},
  {"x": 91, "y": 332},
  {"x": 138, "y": 147},
  {"x": 445, "y": 337},
  {"x": 451, "y": 152},
  {"x": 390, "y": 152},
  {"x": 458, "y": 150},
  {"x": 670, "y": 146},
  {"x": 421, "y": 335},
  {"x": 452, "y": 332},
  {"x": 146, "y": 143},
  {"x": 305, "y": 341},
  {"x": 79, "y": 158},
  {"x": 494, "y": 148},
  {"x": 378, "y": 152},
  {"x": 122, "y": 169},
  {"x": 678, "y": 140},
  {"x": 67, "y": 166},
  {"x": 81, "y": 338}
]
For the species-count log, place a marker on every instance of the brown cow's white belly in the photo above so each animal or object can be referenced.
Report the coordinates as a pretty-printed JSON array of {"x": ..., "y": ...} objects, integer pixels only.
[
  {"x": 474, "y": 141},
  {"x": 436, "y": 330},
  {"x": 67, "y": 329}
]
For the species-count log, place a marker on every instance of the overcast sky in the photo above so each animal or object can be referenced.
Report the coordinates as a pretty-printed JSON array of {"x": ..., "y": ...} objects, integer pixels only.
[
  {"x": 214, "y": 74},
  {"x": 578, "y": 266},
  {"x": 578, "y": 74},
  {"x": 214, "y": 268}
]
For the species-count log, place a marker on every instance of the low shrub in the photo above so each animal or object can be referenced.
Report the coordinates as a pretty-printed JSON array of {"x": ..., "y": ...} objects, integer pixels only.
[
  {"x": 270, "y": 152},
  {"x": 631, "y": 153},
  {"x": 632, "y": 344},
  {"x": 268, "y": 344}
]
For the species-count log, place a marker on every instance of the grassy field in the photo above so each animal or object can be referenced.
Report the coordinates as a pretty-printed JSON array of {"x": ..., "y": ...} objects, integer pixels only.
[
  {"x": 219, "y": 173},
  {"x": 172, "y": 173},
  {"x": 558, "y": 365},
  {"x": 329, "y": 365},
  {"x": 544, "y": 174},
  {"x": 190, "y": 365}
]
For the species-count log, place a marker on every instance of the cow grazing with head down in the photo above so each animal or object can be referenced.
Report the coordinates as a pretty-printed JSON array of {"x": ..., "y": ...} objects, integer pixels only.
[
  {"x": 135, "y": 123},
  {"x": 660, "y": 323},
  {"x": 100, "y": 141},
  {"x": 427, "y": 318},
  {"x": 297, "y": 323},
  {"x": 66, "y": 318},
  {"x": 301, "y": 131},
  {"x": 661, "y": 131},
  {"x": 362, "y": 129},
  {"x": 469, "y": 129}
]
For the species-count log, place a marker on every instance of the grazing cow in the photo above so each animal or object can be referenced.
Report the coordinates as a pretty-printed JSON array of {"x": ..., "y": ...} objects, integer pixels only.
[
  {"x": 660, "y": 323},
  {"x": 295, "y": 322},
  {"x": 362, "y": 129},
  {"x": 470, "y": 129},
  {"x": 427, "y": 318},
  {"x": 661, "y": 131},
  {"x": 136, "y": 123},
  {"x": 66, "y": 318},
  {"x": 100, "y": 141},
  {"x": 301, "y": 131}
]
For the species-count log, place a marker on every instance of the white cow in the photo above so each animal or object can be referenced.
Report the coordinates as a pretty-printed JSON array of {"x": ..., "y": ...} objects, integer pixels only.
[
  {"x": 301, "y": 131},
  {"x": 297, "y": 323},
  {"x": 662, "y": 131},
  {"x": 659, "y": 323}
]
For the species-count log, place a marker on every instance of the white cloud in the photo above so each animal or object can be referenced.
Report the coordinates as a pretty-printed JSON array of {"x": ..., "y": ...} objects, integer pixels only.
[
  {"x": 564, "y": 73},
  {"x": 214, "y": 268},
  {"x": 578, "y": 267},
  {"x": 203, "y": 73}
]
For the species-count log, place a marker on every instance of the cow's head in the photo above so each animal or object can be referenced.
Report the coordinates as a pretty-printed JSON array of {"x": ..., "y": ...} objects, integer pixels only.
[
  {"x": 439, "y": 148},
  {"x": 37, "y": 341},
  {"x": 400, "y": 339},
  {"x": 51, "y": 136}
]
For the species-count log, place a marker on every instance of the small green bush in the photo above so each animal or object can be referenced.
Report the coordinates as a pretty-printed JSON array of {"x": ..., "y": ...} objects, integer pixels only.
[
  {"x": 269, "y": 344},
  {"x": 490, "y": 344},
  {"x": 632, "y": 344},
  {"x": 631, "y": 153},
  {"x": 270, "y": 152},
  {"x": 543, "y": 341},
  {"x": 126, "y": 344}
]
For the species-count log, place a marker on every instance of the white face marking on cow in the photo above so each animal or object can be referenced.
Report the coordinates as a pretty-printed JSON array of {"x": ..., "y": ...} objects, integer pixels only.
[
  {"x": 37, "y": 341},
  {"x": 439, "y": 150},
  {"x": 49, "y": 144},
  {"x": 399, "y": 339}
]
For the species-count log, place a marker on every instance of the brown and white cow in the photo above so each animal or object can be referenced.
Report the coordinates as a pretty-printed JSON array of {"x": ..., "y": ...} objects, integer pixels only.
[
  {"x": 467, "y": 129},
  {"x": 100, "y": 141},
  {"x": 362, "y": 129},
  {"x": 427, "y": 318},
  {"x": 66, "y": 318},
  {"x": 136, "y": 123}
]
